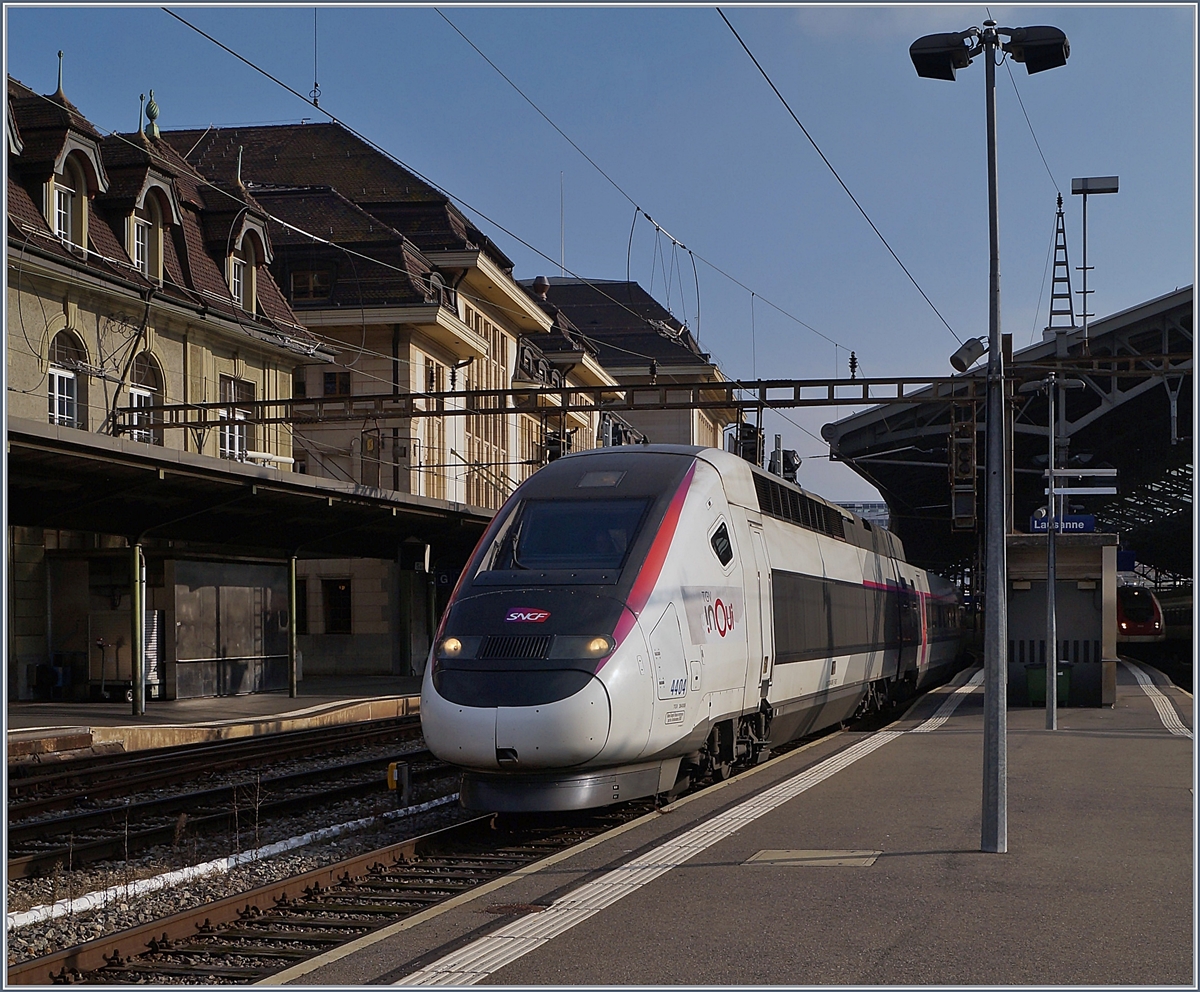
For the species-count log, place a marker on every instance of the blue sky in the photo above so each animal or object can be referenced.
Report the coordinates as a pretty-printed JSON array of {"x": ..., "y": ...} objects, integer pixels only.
[{"x": 668, "y": 104}]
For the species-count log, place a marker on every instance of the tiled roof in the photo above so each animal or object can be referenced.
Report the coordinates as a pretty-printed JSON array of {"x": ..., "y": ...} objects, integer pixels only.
[
  {"x": 616, "y": 317},
  {"x": 44, "y": 122},
  {"x": 329, "y": 155},
  {"x": 14, "y": 132},
  {"x": 401, "y": 280},
  {"x": 193, "y": 270},
  {"x": 323, "y": 211}
]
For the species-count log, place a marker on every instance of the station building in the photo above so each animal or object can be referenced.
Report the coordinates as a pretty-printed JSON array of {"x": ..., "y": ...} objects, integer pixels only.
[{"x": 132, "y": 282}]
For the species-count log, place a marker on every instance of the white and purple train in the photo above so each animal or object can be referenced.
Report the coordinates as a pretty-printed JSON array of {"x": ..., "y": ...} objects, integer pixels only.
[{"x": 637, "y": 617}]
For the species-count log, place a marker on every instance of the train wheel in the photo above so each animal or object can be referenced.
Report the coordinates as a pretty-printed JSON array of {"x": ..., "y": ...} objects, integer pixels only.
[{"x": 722, "y": 771}]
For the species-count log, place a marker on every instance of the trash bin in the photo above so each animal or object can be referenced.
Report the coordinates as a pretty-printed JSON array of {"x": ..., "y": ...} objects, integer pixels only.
[{"x": 1035, "y": 680}]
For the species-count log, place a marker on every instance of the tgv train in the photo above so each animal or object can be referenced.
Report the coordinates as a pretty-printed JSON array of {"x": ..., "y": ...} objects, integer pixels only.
[{"x": 641, "y": 616}]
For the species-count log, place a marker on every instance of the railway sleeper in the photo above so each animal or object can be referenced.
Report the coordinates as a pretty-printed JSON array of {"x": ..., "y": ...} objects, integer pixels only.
[{"x": 249, "y": 950}]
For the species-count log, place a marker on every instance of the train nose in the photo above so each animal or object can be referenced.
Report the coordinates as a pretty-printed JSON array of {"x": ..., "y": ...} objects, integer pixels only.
[
  {"x": 553, "y": 735},
  {"x": 556, "y": 734}
]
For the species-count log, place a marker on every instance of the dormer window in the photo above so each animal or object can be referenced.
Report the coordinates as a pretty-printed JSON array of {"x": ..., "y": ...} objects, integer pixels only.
[
  {"x": 141, "y": 246},
  {"x": 242, "y": 276},
  {"x": 237, "y": 281},
  {"x": 312, "y": 285},
  {"x": 64, "y": 210},
  {"x": 68, "y": 205}
]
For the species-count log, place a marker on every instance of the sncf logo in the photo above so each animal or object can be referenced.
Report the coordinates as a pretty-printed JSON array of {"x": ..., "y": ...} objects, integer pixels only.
[{"x": 522, "y": 615}]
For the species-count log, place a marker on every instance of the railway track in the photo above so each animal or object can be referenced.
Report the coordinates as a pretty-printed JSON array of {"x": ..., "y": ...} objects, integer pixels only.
[
  {"x": 81, "y": 837},
  {"x": 35, "y": 788},
  {"x": 249, "y": 936}
]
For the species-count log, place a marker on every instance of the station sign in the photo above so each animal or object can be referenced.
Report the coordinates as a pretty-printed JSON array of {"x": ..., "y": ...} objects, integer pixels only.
[{"x": 1082, "y": 523}]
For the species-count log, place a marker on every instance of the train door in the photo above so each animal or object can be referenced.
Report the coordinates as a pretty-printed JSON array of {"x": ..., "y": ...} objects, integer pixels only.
[
  {"x": 766, "y": 655},
  {"x": 910, "y": 626},
  {"x": 667, "y": 660}
]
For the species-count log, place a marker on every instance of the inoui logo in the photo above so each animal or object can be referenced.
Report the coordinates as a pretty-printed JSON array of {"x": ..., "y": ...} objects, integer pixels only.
[{"x": 525, "y": 615}]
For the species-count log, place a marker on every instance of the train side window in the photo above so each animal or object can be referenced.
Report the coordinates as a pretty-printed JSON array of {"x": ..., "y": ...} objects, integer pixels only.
[{"x": 721, "y": 545}]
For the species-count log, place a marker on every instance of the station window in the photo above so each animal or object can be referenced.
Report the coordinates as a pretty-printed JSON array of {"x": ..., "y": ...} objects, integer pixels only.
[
  {"x": 64, "y": 209},
  {"x": 141, "y": 246},
  {"x": 67, "y": 383},
  {"x": 336, "y": 594},
  {"x": 236, "y": 439},
  {"x": 337, "y": 383},
  {"x": 237, "y": 281},
  {"x": 145, "y": 234},
  {"x": 243, "y": 276},
  {"x": 145, "y": 389},
  {"x": 311, "y": 285}
]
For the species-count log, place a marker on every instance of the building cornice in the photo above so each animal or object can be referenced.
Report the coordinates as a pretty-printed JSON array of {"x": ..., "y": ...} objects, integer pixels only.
[
  {"x": 496, "y": 286},
  {"x": 436, "y": 322}
]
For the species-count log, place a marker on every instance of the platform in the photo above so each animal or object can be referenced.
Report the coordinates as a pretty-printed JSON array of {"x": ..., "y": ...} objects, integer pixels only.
[
  {"x": 855, "y": 861},
  {"x": 59, "y": 727}
]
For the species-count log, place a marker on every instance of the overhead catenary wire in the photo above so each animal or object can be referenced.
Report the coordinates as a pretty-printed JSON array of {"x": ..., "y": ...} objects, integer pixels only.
[
  {"x": 1042, "y": 289},
  {"x": 834, "y": 171},
  {"x": 1025, "y": 114},
  {"x": 389, "y": 155},
  {"x": 636, "y": 206}
]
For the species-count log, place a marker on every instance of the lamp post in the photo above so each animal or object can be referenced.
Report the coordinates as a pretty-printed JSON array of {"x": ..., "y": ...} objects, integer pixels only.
[
  {"x": 1084, "y": 186},
  {"x": 938, "y": 56}
]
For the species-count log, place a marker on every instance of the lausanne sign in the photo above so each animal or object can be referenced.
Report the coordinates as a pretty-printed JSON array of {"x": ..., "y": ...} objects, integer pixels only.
[{"x": 1084, "y": 523}]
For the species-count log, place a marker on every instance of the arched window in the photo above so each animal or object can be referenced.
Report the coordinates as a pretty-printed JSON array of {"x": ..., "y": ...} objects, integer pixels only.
[
  {"x": 67, "y": 388},
  {"x": 243, "y": 275},
  {"x": 69, "y": 207},
  {"x": 146, "y": 238},
  {"x": 145, "y": 390}
]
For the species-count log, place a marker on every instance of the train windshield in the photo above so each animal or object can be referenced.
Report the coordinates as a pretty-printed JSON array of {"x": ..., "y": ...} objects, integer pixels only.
[
  {"x": 566, "y": 534},
  {"x": 1137, "y": 604}
]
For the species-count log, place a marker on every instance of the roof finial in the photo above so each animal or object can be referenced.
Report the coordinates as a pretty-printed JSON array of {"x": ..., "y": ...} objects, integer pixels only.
[
  {"x": 60, "y": 58},
  {"x": 152, "y": 116},
  {"x": 141, "y": 110}
]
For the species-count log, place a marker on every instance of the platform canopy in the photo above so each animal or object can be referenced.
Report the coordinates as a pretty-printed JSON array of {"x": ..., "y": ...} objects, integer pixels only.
[
  {"x": 1135, "y": 415},
  {"x": 69, "y": 479}
]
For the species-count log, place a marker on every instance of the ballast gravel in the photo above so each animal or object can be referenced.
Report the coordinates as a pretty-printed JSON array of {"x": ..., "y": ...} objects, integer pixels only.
[{"x": 39, "y": 939}]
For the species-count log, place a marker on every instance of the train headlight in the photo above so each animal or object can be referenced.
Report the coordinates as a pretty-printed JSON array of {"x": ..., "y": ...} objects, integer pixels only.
[
  {"x": 451, "y": 647},
  {"x": 1124, "y": 625},
  {"x": 575, "y": 647}
]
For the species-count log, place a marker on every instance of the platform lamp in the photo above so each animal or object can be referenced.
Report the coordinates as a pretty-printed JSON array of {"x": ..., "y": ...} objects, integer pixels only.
[
  {"x": 1050, "y": 385},
  {"x": 1084, "y": 187},
  {"x": 939, "y": 56}
]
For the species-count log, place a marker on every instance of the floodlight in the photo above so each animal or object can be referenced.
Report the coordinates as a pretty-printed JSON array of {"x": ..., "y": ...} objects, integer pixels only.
[
  {"x": 1040, "y": 47},
  {"x": 936, "y": 56},
  {"x": 968, "y": 354}
]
